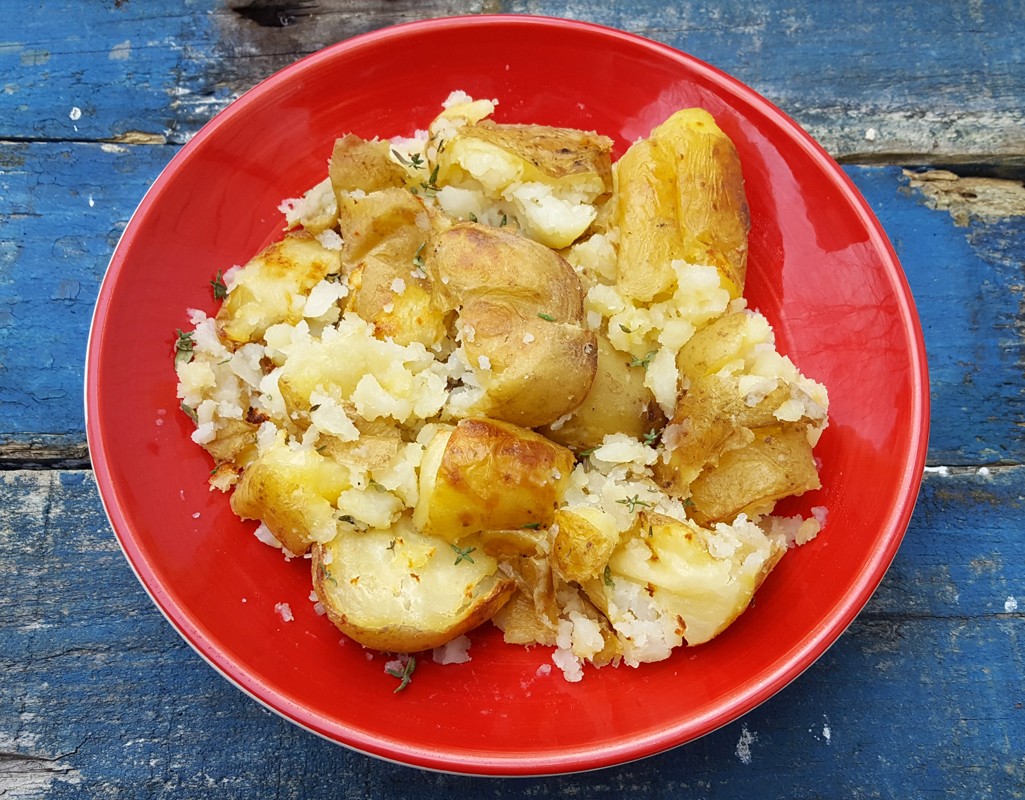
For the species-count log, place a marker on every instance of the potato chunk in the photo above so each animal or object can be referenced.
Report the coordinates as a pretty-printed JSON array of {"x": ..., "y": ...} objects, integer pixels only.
[
  {"x": 523, "y": 303},
  {"x": 384, "y": 233},
  {"x": 292, "y": 491},
  {"x": 681, "y": 196},
  {"x": 673, "y": 581},
  {"x": 487, "y": 475},
  {"x": 548, "y": 177},
  {"x": 750, "y": 479},
  {"x": 272, "y": 287},
  {"x": 617, "y": 402},
  {"x": 401, "y": 591}
]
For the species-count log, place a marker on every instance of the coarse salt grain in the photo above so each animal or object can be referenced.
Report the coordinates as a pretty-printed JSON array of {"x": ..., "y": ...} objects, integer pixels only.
[{"x": 284, "y": 610}]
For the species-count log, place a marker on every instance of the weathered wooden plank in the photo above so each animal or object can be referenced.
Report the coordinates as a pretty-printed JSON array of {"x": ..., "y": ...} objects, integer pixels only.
[
  {"x": 62, "y": 209},
  {"x": 922, "y": 697},
  {"x": 869, "y": 80},
  {"x": 61, "y": 214}
]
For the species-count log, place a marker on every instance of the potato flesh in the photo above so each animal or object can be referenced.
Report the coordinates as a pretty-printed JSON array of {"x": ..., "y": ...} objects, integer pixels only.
[
  {"x": 272, "y": 287},
  {"x": 402, "y": 592},
  {"x": 549, "y": 178},
  {"x": 490, "y": 475},
  {"x": 697, "y": 593},
  {"x": 681, "y": 196}
]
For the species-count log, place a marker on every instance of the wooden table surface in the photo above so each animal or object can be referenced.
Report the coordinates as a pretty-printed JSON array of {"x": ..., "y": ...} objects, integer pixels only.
[{"x": 924, "y": 696}]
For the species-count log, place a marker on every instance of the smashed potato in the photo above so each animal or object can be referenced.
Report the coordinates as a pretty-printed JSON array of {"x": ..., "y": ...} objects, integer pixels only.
[{"x": 487, "y": 374}]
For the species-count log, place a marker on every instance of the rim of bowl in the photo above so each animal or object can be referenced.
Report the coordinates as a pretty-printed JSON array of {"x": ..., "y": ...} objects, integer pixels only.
[{"x": 566, "y": 760}]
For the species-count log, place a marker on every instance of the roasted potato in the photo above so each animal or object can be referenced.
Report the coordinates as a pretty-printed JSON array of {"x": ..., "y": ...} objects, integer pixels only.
[
  {"x": 520, "y": 308},
  {"x": 549, "y": 177},
  {"x": 384, "y": 233},
  {"x": 487, "y": 475},
  {"x": 292, "y": 491},
  {"x": 272, "y": 287},
  {"x": 711, "y": 418},
  {"x": 686, "y": 582},
  {"x": 777, "y": 463},
  {"x": 680, "y": 195},
  {"x": 618, "y": 402},
  {"x": 532, "y": 614},
  {"x": 585, "y": 538},
  {"x": 401, "y": 591},
  {"x": 359, "y": 165}
]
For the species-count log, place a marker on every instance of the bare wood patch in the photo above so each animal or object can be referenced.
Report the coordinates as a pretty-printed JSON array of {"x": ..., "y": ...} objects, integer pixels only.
[{"x": 969, "y": 198}]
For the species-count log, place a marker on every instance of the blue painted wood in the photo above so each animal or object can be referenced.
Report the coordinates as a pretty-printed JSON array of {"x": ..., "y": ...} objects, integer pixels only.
[
  {"x": 948, "y": 85},
  {"x": 54, "y": 247},
  {"x": 62, "y": 209},
  {"x": 922, "y": 697}
]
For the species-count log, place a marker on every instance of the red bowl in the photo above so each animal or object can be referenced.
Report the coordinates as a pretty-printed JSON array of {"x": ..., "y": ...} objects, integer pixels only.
[{"x": 820, "y": 268}]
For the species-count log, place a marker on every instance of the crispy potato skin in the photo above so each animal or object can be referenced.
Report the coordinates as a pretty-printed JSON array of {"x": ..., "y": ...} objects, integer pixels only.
[
  {"x": 711, "y": 419},
  {"x": 358, "y": 164},
  {"x": 557, "y": 153},
  {"x": 268, "y": 288},
  {"x": 582, "y": 545},
  {"x": 524, "y": 304},
  {"x": 681, "y": 196},
  {"x": 292, "y": 493},
  {"x": 777, "y": 463},
  {"x": 402, "y": 592},
  {"x": 492, "y": 476},
  {"x": 383, "y": 234},
  {"x": 617, "y": 402}
]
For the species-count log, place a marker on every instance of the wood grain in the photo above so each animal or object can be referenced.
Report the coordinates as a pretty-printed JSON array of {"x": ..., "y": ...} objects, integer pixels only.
[
  {"x": 61, "y": 220},
  {"x": 924, "y": 696},
  {"x": 871, "y": 81},
  {"x": 938, "y": 722}
]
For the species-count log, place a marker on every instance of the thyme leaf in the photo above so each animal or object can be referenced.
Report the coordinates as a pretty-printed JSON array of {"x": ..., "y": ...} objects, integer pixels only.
[
  {"x": 191, "y": 412},
  {"x": 644, "y": 362},
  {"x": 405, "y": 675},
  {"x": 632, "y": 503},
  {"x": 184, "y": 347},
  {"x": 220, "y": 287},
  {"x": 463, "y": 553}
]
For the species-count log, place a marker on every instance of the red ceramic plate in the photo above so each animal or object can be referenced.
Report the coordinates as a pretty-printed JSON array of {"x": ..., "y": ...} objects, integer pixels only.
[{"x": 820, "y": 267}]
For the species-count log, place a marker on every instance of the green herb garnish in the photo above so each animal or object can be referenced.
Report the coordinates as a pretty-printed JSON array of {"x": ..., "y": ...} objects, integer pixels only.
[
  {"x": 473, "y": 217},
  {"x": 463, "y": 554},
  {"x": 547, "y": 317},
  {"x": 644, "y": 362},
  {"x": 532, "y": 525},
  {"x": 430, "y": 187},
  {"x": 651, "y": 437},
  {"x": 184, "y": 347},
  {"x": 504, "y": 221},
  {"x": 415, "y": 160},
  {"x": 405, "y": 675},
  {"x": 632, "y": 503},
  {"x": 191, "y": 412},
  {"x": 418, "y": 260},
  {"x": 220, "y": 288},
  {"x": 607, "y": 576}
]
